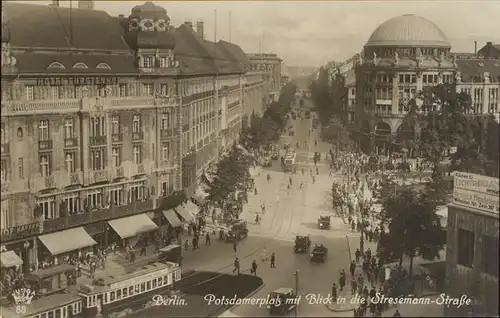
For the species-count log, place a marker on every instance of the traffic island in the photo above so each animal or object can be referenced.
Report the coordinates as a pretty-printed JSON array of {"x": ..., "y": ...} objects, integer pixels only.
[{"x": 336, "y": 307}]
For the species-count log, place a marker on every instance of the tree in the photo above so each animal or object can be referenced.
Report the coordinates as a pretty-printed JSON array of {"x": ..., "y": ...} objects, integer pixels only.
[
  {"x": 414, "y": 228},
  {"x": 336, "y": 133},
  {"x": 321, "y": 96},
  {"x": 231, "y": 175}
]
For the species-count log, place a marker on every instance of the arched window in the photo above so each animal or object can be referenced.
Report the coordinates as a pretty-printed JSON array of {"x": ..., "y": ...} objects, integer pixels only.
[
  {"x": 103, "y": 66},
  {"x": 80, "y": 65},
  {"x": 56, "y": 65}
]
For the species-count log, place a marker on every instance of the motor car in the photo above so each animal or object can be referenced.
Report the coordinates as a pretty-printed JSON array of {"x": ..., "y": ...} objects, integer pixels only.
[
  {"x": 319, "y": 253},
  {"x": 324, "y": 222},
  {"x": 238, "y": 231},
  {"x": 302, "y": 244},
  {"x": 282, "y": 301}
]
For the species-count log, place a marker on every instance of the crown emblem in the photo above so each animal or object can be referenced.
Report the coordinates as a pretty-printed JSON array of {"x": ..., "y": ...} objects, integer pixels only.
[{"x": 23, "y": 296}]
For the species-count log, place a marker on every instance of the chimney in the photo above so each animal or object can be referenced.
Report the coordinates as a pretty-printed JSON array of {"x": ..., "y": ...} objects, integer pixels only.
[
  {"x": 86, "y": 4},
  {"x": 55, "y": 3},
  {"x": 189, "y": 24},
  {"x": 475, "y": 48},
  {"x": 199, "y": 29}
]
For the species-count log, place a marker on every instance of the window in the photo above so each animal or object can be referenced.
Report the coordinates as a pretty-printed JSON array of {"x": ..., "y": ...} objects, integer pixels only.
[
  {"x": 45, "y": 165},
  {"x": 148, "y": 62},
  {"x": 490, "y": 255},
  {"x": 163, "y": 62},
  {"x": 97, "y": 158},
  {"x": 122, "y": 90},
  {"x": 97, "y": 126},
  {"x": 4, "y": 170},
  {"x": 115, "y": 124},
  {"x": 116, "y": 152},
  {"x": 69, "y": 128},
  {"x": 103, "y": 66},
  {"x": 43, "y": 130},
  {"x": 56, "y": 65},
  {"x": 102, "y": 91},
  {"x": 29, "y": 92},
  {"x": 136, "y": 123},
  {"x": 94, "y": 198},
  {"x": 466, "y": 241},
  {"x": 164, "y": 188},
  {"x": 71, "y": 203},
  {"x": 80, "y": 65},
  {"x": 69, "y": 161},
  {"x": 165, "y": 151},
  {"x": 47, "y": 208},
  {"x": 165, "y": 121},
  {"x": 116, "y": 195},
  {"x": 137, "y": 149},
  {"x": 136, "y": 192},
  {"x": 164, "y": 89},
  {"x": 3, "y": 135},
  {"x": 147, "y": 89},
  {"x": 20, "y": 166},
  {"x": 57, "y": 92},
  {"x": 79, "y": 91}
]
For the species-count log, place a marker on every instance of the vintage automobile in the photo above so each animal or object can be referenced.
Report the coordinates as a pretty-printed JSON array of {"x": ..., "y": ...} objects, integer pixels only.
[
  {"x": 302, "y": 243},
  {"x": 285, "y": 304},
  {"x": 324, "y": 222},
  {"x": 319, "y": 253},
  {"x": 238, "y": 231}
]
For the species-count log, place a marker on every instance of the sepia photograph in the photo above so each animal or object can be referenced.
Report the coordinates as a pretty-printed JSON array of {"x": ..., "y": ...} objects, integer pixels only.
[{"x": 249, "y": 158}]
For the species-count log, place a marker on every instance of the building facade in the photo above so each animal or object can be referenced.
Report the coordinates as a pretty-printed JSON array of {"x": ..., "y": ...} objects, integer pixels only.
[
  {"x": 472, "y": 246},
  {"x": 96, "y": 128},
  {"x": 270, "y": 64},
  {"x": 395, "y": 65}
]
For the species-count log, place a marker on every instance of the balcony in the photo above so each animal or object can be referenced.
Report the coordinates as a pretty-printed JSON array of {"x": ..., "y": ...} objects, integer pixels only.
[
  {"x": 137, "y": 169},
  {"x": 104, "y": 214},
  {"x": 5, "y": 186},
  {"x": 29, "y": 108},
  {"x": 97, "y": 176},
  {"x": 116, "y": 138},
  {"x": 75, "y": 178},
  {"x": 44, "y": 145},
  {"x": 5, "y": 149},
  {"x": 138, "y": 136},
  {"x": 70, "y": 142},
  {"x": 118, "y": 172},
  {"x": 97, "y": 141},
  {"x": 166, "y": 133}
]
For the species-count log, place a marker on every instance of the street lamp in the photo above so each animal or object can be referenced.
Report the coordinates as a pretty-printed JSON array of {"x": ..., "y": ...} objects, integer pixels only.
[{"x": 296, "y": 292}]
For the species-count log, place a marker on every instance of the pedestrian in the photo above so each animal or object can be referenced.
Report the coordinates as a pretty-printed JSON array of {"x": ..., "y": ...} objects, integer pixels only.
[
  {"x": 143, "y": 250},
  {"x": 352, "y": 268},
  {"x": 358, "y": 255},
  {"x": 207, "y": 239},
  {"x": 132, "y": 256},
  {"x": 368, "y": 254},
  {"x": 365, "y": 292},
  {"x": 236, "y": 266},
  {"x": 235, "y": 245},
  {"x": 273, "y": 260},
  {"x": 342, "y": 280},
  {"x": 186, "y": 245},
  {"x": 253, "y": 270},
  {"x": 334, "y": 292},
  {"x": 397, "y": 314},
  {"x": 78, "y": 269},
  {"x": 353, "y": 226},
  {"x": 354, "y": 286},
  {"x": 264, "y": 254}
]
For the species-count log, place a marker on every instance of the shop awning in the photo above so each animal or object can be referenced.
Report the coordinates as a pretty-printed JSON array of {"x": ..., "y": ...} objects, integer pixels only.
[
  {"x": 184, "y": 213},
  {"x": 132, "y": 225},
  {"x": 10, "y": 259},
  {"x": 172, "y": 218},
  {"x": 67, "y": 240},
  {"x": 192, "y": 208}
]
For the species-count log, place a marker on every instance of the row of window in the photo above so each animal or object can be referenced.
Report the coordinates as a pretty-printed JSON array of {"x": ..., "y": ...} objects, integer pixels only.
[
  {"x": 64, "y": 312},
  {"x": 72, "y": 203},
  {"x": 409, "y": 51},
  {"x": 79, "y": 91}
]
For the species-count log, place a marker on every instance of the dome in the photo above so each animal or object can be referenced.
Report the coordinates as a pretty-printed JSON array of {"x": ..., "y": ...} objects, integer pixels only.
[
  {"x": 408, "y": 30},
  {"x": 149, "y": 10}
]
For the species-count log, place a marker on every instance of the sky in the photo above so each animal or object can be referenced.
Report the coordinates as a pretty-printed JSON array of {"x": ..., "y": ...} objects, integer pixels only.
[{"x": 311, "y": 33}]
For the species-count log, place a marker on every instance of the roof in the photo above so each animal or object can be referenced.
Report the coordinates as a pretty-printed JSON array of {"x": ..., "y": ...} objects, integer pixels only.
[
  {"x": 28, "y": 62},
  {"x": 408, "y": 30},
  {"x": 471, "y": 68},
  {"x": 235, "y": 51},
  {"x": 49, "y": 27}
]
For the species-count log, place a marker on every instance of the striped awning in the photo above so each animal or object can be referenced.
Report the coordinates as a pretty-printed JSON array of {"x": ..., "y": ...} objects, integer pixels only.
[
  {"x": 172, "y": 218},
  {"x": 132, "y": 225},
  {"x": 184, "y": 213}
]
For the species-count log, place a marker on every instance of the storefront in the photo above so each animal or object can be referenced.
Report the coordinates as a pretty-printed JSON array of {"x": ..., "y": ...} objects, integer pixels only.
[
  {"x": 129, "y": 230},
  {"x": 64, "y": 246},
  {"x": 22, "y": 241},
  {"x": 98, "y": 233}
]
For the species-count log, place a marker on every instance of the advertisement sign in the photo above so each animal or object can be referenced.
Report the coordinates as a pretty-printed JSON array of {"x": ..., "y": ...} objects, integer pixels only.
[
  {"x": 476, "y": 191},
  {"x": 20, "y": 231}
]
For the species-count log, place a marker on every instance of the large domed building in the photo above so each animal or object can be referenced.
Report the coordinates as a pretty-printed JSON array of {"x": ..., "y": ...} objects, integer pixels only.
[{"x": 402, "y": 55}]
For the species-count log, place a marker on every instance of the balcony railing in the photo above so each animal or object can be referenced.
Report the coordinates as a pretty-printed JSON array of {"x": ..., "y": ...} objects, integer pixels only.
[
  {"x": 75, "y": 178},
  {"x": 70, "y": 142},
  {"x": 28, "y": 107},
  {"x": 5, "y": 148},
  {"x": 92, "y": 216},
  {"x": 99, "y": 176},
  {"x": 138, "y": 136},
  {"x": 116, "y": 138},
  {"x": 98, "y": 141},
  {"x": 49, "y": 182},
  {"x": 45, "y": 145},
  {"x": 166, "y": 133}
]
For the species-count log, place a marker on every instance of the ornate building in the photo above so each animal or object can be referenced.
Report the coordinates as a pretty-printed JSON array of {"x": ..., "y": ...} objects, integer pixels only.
[
  {"x": 103, "y": 117},
  {"x": 402, "y": 56},
  {"x": 271, "y": 65}
]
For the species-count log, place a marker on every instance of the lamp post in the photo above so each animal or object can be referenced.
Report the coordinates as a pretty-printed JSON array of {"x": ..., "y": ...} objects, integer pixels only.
[{"x": 296, "y": 292}]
